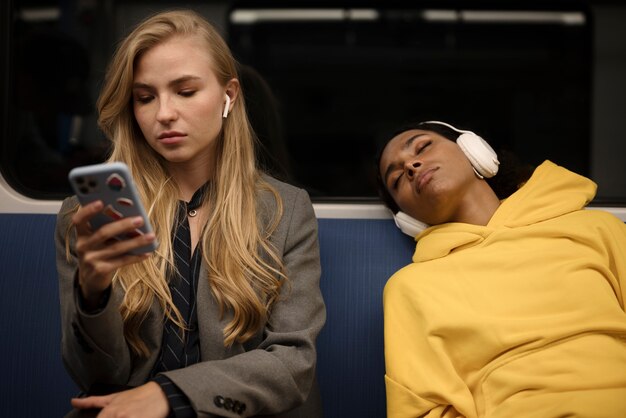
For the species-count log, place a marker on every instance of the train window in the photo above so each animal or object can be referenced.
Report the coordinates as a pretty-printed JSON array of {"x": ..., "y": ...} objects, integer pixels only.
[
  {"x": 344, "y": 77},
  {"x": 325, "y": 83},
  {"x": 48, "y": 125},
  {"x": 56, "y": 54}
]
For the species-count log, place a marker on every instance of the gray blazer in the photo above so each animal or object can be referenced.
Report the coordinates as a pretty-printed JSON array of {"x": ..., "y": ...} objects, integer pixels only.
[{"x": 273, "y": 373}]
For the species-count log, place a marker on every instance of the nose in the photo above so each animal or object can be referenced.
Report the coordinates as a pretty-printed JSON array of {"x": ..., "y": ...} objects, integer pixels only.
[
  {"x": 410, "y": 168},
  {"x": 166, "y": 112}
]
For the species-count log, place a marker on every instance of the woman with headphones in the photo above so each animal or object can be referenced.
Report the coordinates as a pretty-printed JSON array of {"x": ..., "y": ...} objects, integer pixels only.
[
  {"x": 221, "y": 319},
  {"x": 514, "y": 304}
]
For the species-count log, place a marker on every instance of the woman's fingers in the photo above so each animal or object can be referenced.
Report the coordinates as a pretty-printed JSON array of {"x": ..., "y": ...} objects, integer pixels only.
[
  {"x": 82, "y": 216},
  {"x": 107, "y": 237},
  {"x": 98, "y": 263},
  {"x": 91, "y": 402},
  {"x": 103, "y": 251},
  {"x": 106, "y": 233},
  {"x": 146, "y": 401}
]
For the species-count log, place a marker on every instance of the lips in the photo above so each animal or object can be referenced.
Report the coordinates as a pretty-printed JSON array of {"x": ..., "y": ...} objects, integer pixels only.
[
  {"x": 170, "y": 134},
  {"x": 424, "y": 178},
  {"x": 171, "y": 137}
]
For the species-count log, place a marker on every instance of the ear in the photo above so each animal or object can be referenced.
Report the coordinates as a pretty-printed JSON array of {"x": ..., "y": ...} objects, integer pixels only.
[{"x": 231, "y": 90}]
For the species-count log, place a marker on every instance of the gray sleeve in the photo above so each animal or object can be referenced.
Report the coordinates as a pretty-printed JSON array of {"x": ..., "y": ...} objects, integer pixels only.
[
  {"x": 93, "y": 346},
  {"x": 278, "y": 374}
]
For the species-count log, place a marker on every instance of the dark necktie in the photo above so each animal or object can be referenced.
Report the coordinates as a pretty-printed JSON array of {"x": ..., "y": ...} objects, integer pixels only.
[{"x": 182, "y": 349}]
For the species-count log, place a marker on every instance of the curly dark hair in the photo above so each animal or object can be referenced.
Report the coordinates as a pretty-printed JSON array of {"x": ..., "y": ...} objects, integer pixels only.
[{"x": 512, "y": 173}]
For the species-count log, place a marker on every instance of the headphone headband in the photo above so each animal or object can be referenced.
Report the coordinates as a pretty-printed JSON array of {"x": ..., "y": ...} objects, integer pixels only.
[{"x": 436, "y": 122}]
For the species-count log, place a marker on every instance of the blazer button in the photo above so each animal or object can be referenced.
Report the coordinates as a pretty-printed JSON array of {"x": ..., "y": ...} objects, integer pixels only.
[
  {"x": 241, "y": 408},
  {"x": 219, "y": 401},
  {"x": 228, "y": 404}
]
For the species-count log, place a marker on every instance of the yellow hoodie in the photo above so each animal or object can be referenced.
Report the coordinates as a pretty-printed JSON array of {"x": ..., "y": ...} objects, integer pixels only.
[{"x": 523, "y": 317}]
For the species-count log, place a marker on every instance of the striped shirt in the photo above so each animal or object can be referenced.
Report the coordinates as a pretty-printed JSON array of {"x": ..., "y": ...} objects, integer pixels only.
[{"x": 181, "y": 349}]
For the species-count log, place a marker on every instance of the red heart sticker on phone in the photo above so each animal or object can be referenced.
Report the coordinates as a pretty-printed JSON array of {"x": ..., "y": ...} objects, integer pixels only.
[
  {"x": 122, "y": 201},
  {"x": 112, "y": 213},
  {"x": 116, "y": 182}
]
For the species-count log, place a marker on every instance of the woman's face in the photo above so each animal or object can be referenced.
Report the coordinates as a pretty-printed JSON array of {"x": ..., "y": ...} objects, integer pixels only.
[
  {"x": 427, "y": 175},
  {"x": 178, "y": 101}
]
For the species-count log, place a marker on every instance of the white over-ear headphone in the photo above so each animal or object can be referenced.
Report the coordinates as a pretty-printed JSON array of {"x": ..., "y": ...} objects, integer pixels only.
[
  {"x": 409, "y": 225},
  {"x": 226, "y": 107},
  {"x": 483, "y": 158},
  {"x": 484, "y": 161}
]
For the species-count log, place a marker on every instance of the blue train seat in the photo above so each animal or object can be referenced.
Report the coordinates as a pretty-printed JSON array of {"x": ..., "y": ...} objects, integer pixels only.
[{"x": 357, "y": 255}]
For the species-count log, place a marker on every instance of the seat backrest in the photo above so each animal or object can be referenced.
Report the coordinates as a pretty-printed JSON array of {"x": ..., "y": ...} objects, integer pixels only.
[
  {"x": 35, "y": 382},
  {"x": 357, "y": 257}
]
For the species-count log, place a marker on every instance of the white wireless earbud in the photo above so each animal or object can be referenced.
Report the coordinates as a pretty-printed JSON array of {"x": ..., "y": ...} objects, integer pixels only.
[
  {"x": 410, "y": 226},
  {"x": 226, "y": 107}
]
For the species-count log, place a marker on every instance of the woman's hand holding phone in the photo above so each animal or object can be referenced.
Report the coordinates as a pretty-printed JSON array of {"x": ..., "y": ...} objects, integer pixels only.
[
  {"x": 100, "y": 254},
  {"x": 112, "y": 226}
]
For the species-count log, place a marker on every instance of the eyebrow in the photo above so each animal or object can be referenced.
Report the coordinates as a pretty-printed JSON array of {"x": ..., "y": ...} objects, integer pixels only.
[
  {"x": 406, "y": 145},
  {"x": 175, "y": 82}
]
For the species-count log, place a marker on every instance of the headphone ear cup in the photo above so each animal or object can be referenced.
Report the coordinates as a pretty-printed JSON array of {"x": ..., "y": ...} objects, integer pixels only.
[
  {"x": 409, "y": 225},
  {"x": 480, "y": 154}
]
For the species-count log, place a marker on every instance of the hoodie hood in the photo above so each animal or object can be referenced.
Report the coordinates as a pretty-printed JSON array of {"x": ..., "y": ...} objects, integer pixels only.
[{"x": 550, "y": 192}]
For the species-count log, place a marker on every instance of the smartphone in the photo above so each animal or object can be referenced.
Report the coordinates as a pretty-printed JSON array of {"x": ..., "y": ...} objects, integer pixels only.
[{"x": 113, "y": 185}]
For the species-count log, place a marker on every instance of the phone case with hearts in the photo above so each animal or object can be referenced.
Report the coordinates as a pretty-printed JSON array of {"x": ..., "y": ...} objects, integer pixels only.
[{"x": 113, "y": 184}]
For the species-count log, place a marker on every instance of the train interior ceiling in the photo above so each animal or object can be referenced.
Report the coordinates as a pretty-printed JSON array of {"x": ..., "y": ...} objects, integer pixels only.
[{"x": 326, "y": 82}]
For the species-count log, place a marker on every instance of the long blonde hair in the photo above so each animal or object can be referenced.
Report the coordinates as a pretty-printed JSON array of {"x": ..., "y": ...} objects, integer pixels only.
[{"x": 244, "y": 271}]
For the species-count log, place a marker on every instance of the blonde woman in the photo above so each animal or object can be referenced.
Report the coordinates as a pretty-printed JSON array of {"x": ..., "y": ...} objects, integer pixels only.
[{"x": 222, "y": 318}]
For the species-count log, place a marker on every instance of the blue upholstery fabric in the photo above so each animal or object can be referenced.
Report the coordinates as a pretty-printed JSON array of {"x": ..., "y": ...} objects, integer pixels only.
[
  {"x": 34, "y": 381},
  {"x": 357, "y": 258}
]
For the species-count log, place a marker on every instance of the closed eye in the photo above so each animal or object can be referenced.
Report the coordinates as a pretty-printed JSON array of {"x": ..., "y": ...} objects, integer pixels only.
[
  {"x": 187, "y": 93},
  {"x": 423, "y": 146},
  {"x": 397, "y": 181},
  {"x": 143, "y": 99}
]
